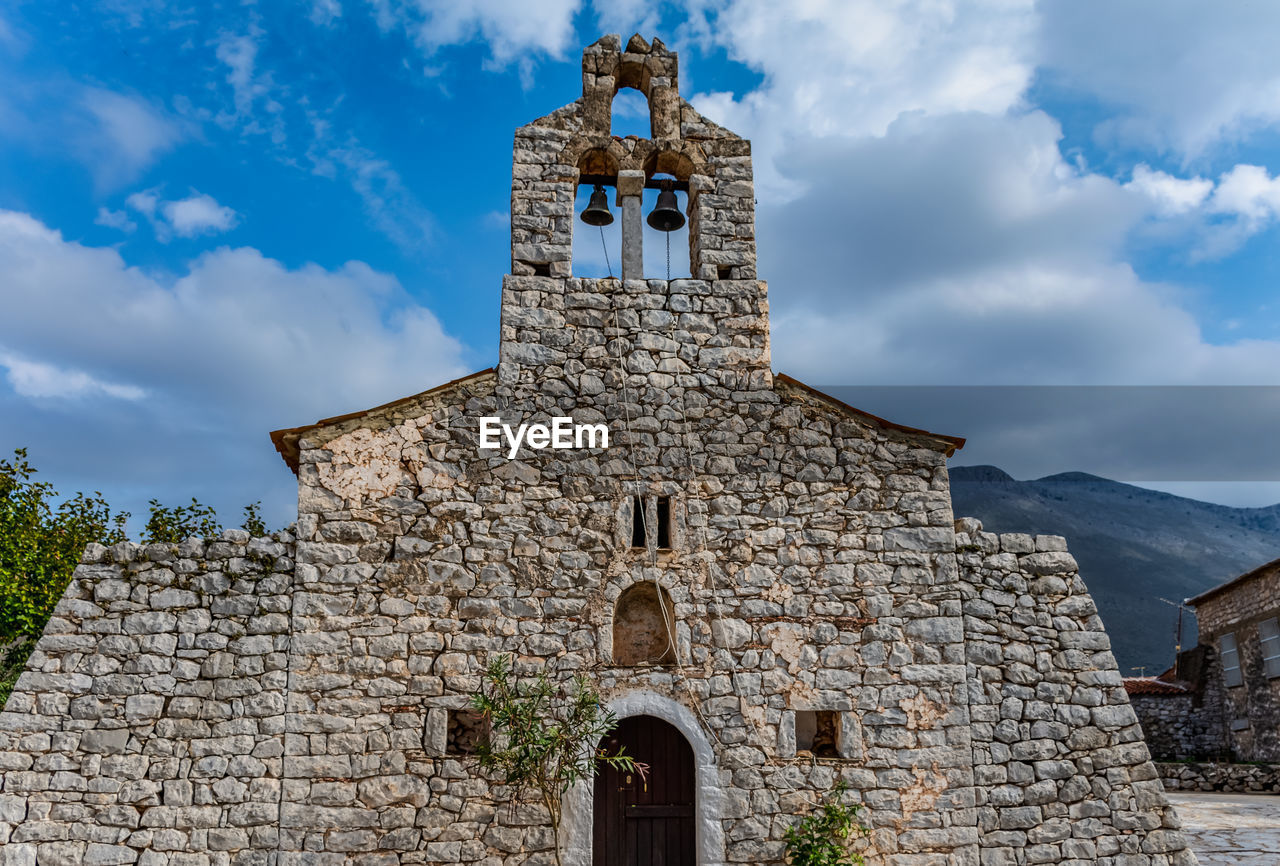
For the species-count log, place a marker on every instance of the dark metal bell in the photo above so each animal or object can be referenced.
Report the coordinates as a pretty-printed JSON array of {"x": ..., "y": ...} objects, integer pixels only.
[
  {"x": 666, "y": 216},
  {"x": 597, "y": 212}
]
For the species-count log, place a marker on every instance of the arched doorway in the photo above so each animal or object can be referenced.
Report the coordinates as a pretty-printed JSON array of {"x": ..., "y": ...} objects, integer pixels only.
[{"x": 646, "y": 821}]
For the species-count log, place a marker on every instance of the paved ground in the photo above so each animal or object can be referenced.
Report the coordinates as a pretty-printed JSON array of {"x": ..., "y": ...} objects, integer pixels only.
[{"x": 1231, "y": 829}]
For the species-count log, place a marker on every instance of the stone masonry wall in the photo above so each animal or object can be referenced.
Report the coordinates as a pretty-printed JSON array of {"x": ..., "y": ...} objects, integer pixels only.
[
  {"x": 1060, "y": 768},
  {"x": 148, "y": 727},
  {"x": 1178, "y": 727},
  {"x": 812, "y": 569},
  {"x": 1227, "y": 778}
]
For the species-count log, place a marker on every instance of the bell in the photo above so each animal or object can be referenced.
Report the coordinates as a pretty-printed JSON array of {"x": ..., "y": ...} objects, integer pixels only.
[
  {"x": 666, "y": 216},
  {"x": 597, "y": 212}
]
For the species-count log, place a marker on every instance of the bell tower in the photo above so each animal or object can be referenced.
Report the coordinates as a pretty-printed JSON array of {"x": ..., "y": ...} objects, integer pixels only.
[{"x": 712, "y": 326}]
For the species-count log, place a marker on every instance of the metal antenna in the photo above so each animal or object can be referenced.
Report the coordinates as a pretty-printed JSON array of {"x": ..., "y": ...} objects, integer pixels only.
[{"x": 1177, "y": 631}]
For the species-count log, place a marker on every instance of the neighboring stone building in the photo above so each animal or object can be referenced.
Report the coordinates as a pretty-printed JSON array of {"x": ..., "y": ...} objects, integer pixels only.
[
  {"x": 1240, "y": 623},
  {"x": 768, "y": 587},
  {"x": 1238, "y": 663}
]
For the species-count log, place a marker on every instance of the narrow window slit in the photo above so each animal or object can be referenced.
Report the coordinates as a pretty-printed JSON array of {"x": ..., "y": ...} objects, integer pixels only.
[
  {"x": 664, "y": 522},
  {"x": 638, "y": 538}
]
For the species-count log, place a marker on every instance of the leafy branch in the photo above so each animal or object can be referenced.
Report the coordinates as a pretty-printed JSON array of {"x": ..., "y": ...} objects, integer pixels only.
[
  {"x": 537, "y": 747},
  {"x": 823, "y": 837}
]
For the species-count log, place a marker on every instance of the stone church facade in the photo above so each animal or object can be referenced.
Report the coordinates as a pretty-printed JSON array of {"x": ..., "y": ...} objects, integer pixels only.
[{"x": 301, "y": 699}]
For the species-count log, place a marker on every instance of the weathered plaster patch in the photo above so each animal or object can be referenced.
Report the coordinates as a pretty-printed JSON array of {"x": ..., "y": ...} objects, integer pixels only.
[
  {"x": 365, "y": 465},
  {"x": 922, "y": 713}
]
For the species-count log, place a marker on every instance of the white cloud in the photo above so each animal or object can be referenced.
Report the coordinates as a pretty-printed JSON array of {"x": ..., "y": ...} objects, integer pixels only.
[
  {"x": 198, "y": 214},
  {"x": 963, "y": 249},
  {"x": 126, "y": 136},
  {"x": 36, "y": 379},
  {"x": 390, "y": 206},
  {"x": 115, "y": 219},
  {"x": 852, "y": 67},
  {"x": 1249, "y": 192},
  {"x": 325, "y": 12},
  {"x": 239, "y": 54},
  {"x": 144, "y": 202},
  {"x": 1219, "y": 217},
  {"x": 1170, "y": 195},
  {"x": 171, "y": 385},
  {"x": 1179, "y": 74},
  {"x": 236, "y": 332},
  {"x": 513, "y": 29}
]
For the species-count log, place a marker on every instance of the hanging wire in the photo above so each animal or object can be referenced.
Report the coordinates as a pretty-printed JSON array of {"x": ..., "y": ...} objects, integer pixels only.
[
  {"x": 668, "y": 234},
  {"x": 604, "y": 246}
]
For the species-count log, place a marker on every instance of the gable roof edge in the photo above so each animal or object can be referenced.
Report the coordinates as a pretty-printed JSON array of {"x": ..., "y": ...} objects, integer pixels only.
[
  {"x": 951, "y": 444},
  {"x": 286, "y": 440}
]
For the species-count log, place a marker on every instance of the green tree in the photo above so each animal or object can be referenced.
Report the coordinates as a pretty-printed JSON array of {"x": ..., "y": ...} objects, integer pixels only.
[
  {"x": 41, "y": 540},
  {"x": 822, "y": 838},
  {"x": 542, "y": 741}
]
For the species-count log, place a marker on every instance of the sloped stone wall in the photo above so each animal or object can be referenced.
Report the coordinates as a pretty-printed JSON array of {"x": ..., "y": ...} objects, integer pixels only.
[
  {"x": 148, "y": 727},
  {"x": 1061, "y": 772}
]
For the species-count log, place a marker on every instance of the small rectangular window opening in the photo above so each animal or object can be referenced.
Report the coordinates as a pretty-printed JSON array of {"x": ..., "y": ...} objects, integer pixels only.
[
  {"x": 816, "y": 732},
  {"x": 1230, "y": 661},
  {"x": 467, "y": 730},
  {"x": 638, "y": 538},
  {"x": 541, "y": 269},
  {"x": 724, "y": 272},
  {"x": 664, "y": 522},
  {"x": 1269, "y": 632}
]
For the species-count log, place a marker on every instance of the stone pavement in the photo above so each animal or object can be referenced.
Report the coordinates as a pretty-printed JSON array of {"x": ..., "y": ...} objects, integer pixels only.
[{"x": 1231, "y": 829}]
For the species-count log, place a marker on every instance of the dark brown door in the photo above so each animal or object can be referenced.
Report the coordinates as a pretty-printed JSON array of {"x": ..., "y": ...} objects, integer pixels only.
[{"x": 646, "y": 820}]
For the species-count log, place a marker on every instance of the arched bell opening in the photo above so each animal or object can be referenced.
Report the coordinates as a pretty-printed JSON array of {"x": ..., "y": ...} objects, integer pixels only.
[
  {"x": 668, "y": 254},
  {"x": 629, "y": 114},
  {"x": 644, "y": 626},
  {"x": 597, "y": 231}
]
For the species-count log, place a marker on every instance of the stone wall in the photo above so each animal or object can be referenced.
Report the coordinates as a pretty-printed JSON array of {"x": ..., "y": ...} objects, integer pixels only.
[
  {"x": 1227, "y": 778},
  {"x": 149, "y": 725},
  {"x": 1180, "y": 727},
  {"x": 1182, "y": 711},
  {"x": 1060, "y": 768}
]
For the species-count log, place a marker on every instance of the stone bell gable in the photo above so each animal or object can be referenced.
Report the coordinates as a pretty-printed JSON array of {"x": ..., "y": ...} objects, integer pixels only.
[
  {"x": 763, "y": 578},
  {"x": 552, "y": 152}
]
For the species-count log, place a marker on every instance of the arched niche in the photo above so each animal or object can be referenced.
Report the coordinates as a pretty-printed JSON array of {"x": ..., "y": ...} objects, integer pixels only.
[{"x": 644, "y": 628}]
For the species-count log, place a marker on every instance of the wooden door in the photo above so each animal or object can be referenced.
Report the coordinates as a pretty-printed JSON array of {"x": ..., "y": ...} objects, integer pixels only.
[{"x": 646, "y": 821}]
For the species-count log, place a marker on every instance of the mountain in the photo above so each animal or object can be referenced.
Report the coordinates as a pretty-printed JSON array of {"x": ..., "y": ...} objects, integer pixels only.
[{"x": 1134, "y": 545}]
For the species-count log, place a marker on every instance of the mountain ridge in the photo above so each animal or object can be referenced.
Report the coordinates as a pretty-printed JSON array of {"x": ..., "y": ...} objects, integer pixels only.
[{"x": 1140, "y": 551}]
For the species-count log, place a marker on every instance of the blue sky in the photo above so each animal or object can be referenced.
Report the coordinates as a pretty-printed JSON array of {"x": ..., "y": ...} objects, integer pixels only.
[{"x": 221, "y": 219}]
